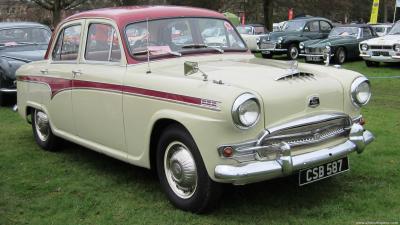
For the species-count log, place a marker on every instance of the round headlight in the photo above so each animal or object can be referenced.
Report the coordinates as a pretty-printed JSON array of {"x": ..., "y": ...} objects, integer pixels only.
[
  {"x": 301, "y": 45},
  {"x": 396, "y": 47},
  {"x": 364, "y": 47},
  {"x": 280, "y": 40},
  {"x": 360, "y": 91},
  {"x": 327, "y": 49},
  {"x": 258, "y": 40},
  {"x": 246, "y": 111}
]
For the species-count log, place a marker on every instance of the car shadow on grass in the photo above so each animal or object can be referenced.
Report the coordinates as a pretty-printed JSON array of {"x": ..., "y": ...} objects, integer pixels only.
[{"x": 282, "y": 194}]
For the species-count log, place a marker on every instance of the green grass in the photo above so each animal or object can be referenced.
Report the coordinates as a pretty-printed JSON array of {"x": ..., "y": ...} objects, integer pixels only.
[{"x": 79, "y": 186}]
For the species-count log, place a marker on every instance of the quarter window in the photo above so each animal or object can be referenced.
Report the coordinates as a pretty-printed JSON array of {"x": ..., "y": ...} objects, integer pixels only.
[
  {"x": 67, "y": 45},
  {"x": 102, "y": 44}
]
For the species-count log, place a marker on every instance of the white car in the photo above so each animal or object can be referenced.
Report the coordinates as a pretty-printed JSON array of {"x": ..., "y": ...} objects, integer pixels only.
[
  {"x": 382, "y": 49},
  {"x": 251, "y": 34}
]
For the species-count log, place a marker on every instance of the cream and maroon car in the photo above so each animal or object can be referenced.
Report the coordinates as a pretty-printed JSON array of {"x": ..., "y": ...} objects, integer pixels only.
[{"x": 199, "y": 115}]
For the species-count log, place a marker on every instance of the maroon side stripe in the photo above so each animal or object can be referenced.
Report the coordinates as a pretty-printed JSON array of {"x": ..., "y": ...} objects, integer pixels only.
[{"x": 58, "y": 85}]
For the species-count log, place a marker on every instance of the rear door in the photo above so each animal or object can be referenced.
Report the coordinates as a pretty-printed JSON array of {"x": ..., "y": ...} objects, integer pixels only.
[{"x": 97, "y": 85}]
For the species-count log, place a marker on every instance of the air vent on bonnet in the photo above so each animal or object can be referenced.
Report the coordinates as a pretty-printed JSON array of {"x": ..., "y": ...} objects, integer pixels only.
[{"x": 296, "y": 75}]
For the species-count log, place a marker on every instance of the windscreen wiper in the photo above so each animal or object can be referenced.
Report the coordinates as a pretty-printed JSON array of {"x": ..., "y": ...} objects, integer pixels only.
[
  {"x": 220, "y": 50},
  {"x": 144, "y": 52}
]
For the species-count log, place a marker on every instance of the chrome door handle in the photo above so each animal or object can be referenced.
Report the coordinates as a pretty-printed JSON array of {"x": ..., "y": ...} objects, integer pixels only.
[
  {"x": 76, "y": 72},
  {"x": 44, "y": 71}
]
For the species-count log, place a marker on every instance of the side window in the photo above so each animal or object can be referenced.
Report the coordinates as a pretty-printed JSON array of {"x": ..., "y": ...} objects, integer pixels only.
[
  {"x": 312, "y": 26},
  {"x": 367, "y": 33},
  {"x": 325, "y": 26},
  {"x": 102, "y": 43},
  {"x": 67, "y": 45}
]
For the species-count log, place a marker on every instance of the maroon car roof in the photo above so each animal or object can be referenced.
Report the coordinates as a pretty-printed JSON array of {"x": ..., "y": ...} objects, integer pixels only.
[{"x": 126, "y": 15}]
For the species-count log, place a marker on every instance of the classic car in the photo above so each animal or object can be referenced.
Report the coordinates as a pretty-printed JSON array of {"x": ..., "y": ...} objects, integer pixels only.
[
  {"x": 251, "y": 34},
  {"x": 341, "y": 44},
  {"x": 197, "y": 115},
  {"x": 382, "y": 29},
  {"x": 382, "y": 49},
  {"x": 20, "y": 43},
  {"x": 293, "y": 32}
]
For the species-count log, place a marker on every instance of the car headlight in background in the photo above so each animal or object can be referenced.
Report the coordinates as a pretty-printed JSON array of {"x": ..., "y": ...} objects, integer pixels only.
[
  {"x": 327, "y": 49},
  {"x": 246, "y": 111},
  {"x": 258, "y": 40},
  {"x": 301, "y": 45},
  {"x": 364, "y": 47},
  {"x": 280, "y": 40},
  {"x": 396, "y": 47},
  {"x": 360, "y": 91}
]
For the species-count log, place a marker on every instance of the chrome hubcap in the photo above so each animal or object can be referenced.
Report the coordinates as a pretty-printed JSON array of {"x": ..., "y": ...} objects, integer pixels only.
[
  {"x": 42, "y": 125},
  {"x": 294, "y": 53},
  {"x": 180, "y": 170},
  {"x": 342, "y": 56}
]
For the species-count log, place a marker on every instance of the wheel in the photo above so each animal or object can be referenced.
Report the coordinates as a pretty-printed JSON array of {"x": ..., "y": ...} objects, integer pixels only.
[
  {"x": 182, "y": 173},
  {"x": 372, "y": 64},
  {"x": 266, "y": 56},
  {"x": 293, "y": 52},
  {"x": 42, "y": 133},
  {"x": 340, "y": 56}
]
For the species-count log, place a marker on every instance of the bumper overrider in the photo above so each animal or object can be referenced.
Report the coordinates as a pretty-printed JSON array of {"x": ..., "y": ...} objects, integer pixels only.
[{"x": 277, "y": 160}]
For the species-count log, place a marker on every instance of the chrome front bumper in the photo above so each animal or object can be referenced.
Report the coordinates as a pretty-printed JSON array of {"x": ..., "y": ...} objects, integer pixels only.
[{"x": 287, "y": 164}]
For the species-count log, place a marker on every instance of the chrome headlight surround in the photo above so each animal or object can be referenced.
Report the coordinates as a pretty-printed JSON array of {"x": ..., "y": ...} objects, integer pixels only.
[
  {"x": 396, "y": 47},
  {"x": 327, "y": 49},
  {"x": 364, "y": 47},
  {"x": 246, "y": 111},
  {"x": 360, "y": 92},
  {"x": 280, "y": 40},
  {"x": 301, "y": 45}
]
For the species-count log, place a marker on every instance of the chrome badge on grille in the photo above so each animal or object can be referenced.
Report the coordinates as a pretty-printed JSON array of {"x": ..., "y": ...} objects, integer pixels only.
[{"x": 313, "y": 102}]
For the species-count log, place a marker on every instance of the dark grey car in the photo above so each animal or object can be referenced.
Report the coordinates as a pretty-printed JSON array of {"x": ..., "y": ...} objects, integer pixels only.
[{"x": 20, "y": 43}]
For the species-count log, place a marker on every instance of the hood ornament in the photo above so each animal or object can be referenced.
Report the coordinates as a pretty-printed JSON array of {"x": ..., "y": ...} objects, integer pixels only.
[{"x": 192, "y": 68}]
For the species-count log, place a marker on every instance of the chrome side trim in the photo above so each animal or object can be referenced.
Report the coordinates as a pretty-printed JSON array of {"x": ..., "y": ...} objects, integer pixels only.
[{"x": 6, "y": 90}]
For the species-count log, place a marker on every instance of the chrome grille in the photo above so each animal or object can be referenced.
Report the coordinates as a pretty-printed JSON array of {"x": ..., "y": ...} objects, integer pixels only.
[
  {"x": 314, "y": 50},
  {"x": 269, "y": 45},
  {"x": 381, "y": 47},
  {"x": 310, "y": 133}
]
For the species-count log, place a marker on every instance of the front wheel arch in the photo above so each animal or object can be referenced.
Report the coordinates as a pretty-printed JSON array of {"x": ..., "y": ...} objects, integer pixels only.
[{"x": 158, "y": 128}]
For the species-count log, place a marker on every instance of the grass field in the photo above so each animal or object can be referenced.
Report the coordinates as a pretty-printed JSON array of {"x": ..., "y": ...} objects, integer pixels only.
[{"x": 79, "y": 186}]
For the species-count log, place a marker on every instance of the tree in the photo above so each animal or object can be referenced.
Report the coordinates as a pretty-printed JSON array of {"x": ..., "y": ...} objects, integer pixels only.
[
  {"x": 56, "y": 7},
  {"x": 268, "y": 13}
]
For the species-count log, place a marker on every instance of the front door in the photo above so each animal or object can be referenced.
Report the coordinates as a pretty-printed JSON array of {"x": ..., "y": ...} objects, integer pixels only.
[
  {"x": 97, "y": 88},
  {"x": 57, "y": 74}
]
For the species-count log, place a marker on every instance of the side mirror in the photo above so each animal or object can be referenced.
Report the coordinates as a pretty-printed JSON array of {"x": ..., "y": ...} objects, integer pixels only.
[{"x": 190, "y": 68}]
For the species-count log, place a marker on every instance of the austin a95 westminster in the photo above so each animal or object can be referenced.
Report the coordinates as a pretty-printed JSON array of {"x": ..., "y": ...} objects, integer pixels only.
[{"x": 143, "y": 85}]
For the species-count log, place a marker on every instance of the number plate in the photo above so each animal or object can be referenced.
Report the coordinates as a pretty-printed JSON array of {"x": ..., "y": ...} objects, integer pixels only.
[
  {"x": 314, "y": 58},
  {"x": 310, "y": 175}
]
